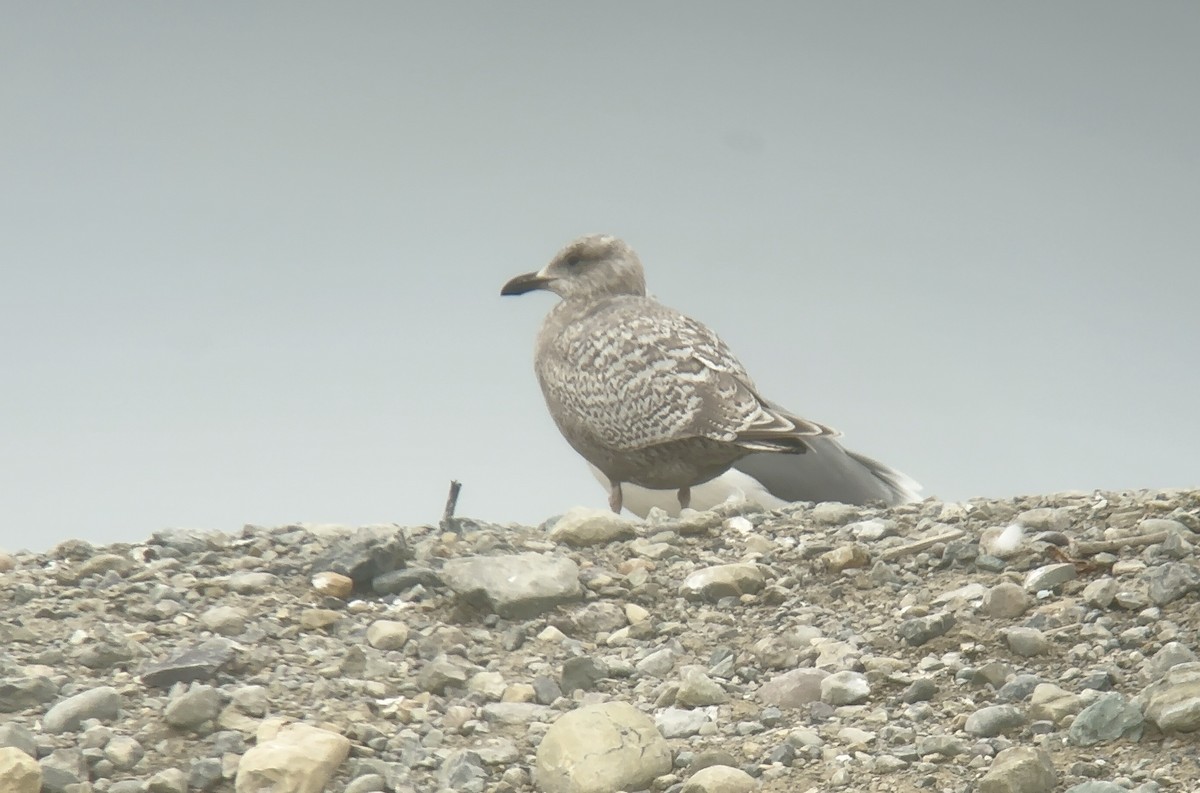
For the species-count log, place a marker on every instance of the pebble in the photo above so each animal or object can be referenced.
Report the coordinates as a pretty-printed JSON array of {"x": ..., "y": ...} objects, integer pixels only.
[
  {"x": 719, "y": 779},
  {"x": 1026, "y": 642},
  {"x": 514, "y": 586},
  {"x": 721, "y": 581},
  {"x": 845, "y": 688},
  {"x": 103, "y": 703},
  {"x": 1020, "y": 769},
  {"x": 387, "y": 634},
  {"x": 1050, "y": 576},
  {"x": 581, "y": 527},
  {"x": 1006, "y": 601},
  {"x": 994, "y": 720}
]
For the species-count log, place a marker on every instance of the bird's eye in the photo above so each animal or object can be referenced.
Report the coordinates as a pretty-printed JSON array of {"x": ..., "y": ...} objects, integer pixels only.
[{"x": 574, "y": 260}]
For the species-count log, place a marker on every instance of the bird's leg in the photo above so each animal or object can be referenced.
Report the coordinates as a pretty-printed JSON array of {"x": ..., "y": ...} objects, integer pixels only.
[
  {"x": 685, "y": 497},
  {"x": 615, "y": 498}
]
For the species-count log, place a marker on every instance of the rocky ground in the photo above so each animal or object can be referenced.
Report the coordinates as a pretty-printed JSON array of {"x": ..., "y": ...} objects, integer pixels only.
[{"x": 1017, "y": 646}]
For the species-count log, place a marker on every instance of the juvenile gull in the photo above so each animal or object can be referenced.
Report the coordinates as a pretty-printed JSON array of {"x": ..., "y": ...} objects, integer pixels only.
[{"x": 654, "y": 399}]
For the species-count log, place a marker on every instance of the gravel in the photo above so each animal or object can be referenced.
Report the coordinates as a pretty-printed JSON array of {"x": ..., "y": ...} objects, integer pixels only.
[{"x": 1045, "y": 643}]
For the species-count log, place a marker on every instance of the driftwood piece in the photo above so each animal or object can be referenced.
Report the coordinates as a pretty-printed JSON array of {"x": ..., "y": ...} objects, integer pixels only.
[
  {"x": 1112, "y": 546},
  {"x": 448, "y": 523},
  {"x": 921, "y": 545}
]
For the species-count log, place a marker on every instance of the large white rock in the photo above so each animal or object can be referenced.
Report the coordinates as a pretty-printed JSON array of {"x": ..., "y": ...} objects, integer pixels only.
[
  {"x": 294, "y": 758},
  {"x": 19, "y": 773},
  {"x": 599, "y": 749}
]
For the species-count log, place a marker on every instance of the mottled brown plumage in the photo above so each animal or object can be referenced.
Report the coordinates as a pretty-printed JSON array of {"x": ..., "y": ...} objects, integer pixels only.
[{"x": 644, "y": 393}]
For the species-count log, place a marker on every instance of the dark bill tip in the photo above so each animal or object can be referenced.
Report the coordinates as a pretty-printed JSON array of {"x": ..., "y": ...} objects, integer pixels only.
[{"x": 524, "y": 283}]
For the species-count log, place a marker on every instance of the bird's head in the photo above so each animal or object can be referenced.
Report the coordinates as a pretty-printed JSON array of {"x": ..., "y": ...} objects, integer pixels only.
[{"x": 597, "y": 265}]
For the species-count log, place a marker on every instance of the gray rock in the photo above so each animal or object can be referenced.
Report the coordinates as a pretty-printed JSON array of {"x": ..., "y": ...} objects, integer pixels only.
[
  {"x": 462, "y": 770},
  {"x": 598, "y": 617},
  {"x": 720, "y": 779},
  {"x": 545, "y": 690},
  {"x": 582, "y": 672},
  {"x": 696, "y": 689},
  {"x": 169, "y": 780},
  {"x": 963, "y": 594},
  {"x": 19, "y": 693},
  {"x": 1168, "y": 582},
  {"x": 1169, "y": 655},
  {"x": 1047, "y": 518},
  {"x": 1050, "y": 576},
  {"x": 193, "y": 708},
  {"x": 498, "y": 752},
  {"x": 198, "y": 662},
  {"x": 724, "y": 580},
  {"x": 600, "y": 749},
  {"x": 940, "y": 746},
  {"x": 845, "y": 688},
  {"x": 205, "y": 773},
  {"x": 1026, "y": 642},
  {"x": 123, "y": 752},
  {"x": 1101, "y": 592},
  {"x": 398, "y": 581},
  {"x": 441, "y": 674},
  {"x": 919, "y": 630},
  {"x": 1097, "y": 787},
  {"x": 224, "y": 620},
  {"x": 61, "y": 768},
  {"x": 922, "y": 689},
  {"x": 189, "y": 542},
  {"x": 517, "y": 586},
  {"x": 680, "y": 722},
  {"x": 1051, "y": 703},
  {"x": 105, "y": 654},
  {"x": 514, "y": 713},
  {"x": 387, "y": 634},
  {"x": 1020, "y": 769},
  {"x": 833, "y": 513},
  {"x": 17, "y": 737},
  {"x": 127, "y": 786},
  {"x": 251, "y": 700},
  {"x": 367, "y": 783},
  {"x": 581, "y": 527},
  {"x": 365, "y": 555},
  {"x": 102, "y": 703},
  {"x": 1110, "y": 717},
  {"x": 1018, "y": 689},
  {"x": 252, "y": 582},
  {"x": 658, "y": 663},
  {"x": 994, "y": 720},
  {"x": 1172, "y": 702},
  {"x": 793, "y": 689},
  {"x": 1006, "y": 600}
]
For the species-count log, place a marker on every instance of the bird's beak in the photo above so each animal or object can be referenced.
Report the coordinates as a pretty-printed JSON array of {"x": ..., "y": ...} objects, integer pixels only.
[{"x": 525, "y": 283}]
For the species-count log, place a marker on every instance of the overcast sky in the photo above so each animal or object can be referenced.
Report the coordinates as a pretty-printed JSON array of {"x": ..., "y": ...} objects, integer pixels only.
[{"x": 251, "y": 252}]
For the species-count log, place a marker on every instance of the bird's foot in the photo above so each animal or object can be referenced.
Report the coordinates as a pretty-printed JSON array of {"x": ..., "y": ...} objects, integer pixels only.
[
  {"x": 615, "y": 499},
  {"x": 685, "y": 497}
]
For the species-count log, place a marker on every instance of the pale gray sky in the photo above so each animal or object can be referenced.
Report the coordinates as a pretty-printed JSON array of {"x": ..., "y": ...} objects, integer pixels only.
[{"x": 252, "y": 251}]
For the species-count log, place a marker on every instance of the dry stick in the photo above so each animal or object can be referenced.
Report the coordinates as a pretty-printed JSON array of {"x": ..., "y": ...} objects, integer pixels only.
[
  {"x": 920, "y": 545},
  {"x": 1109, "y": 546},
  {"x": 447, "y": 523}
]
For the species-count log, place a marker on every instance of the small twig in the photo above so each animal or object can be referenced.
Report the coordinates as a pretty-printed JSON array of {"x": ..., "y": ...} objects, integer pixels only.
[
  {"x": 1111, "y": 546},
  {"x": 920, "y": 545},
  {"x": 448, "y": 523}
]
